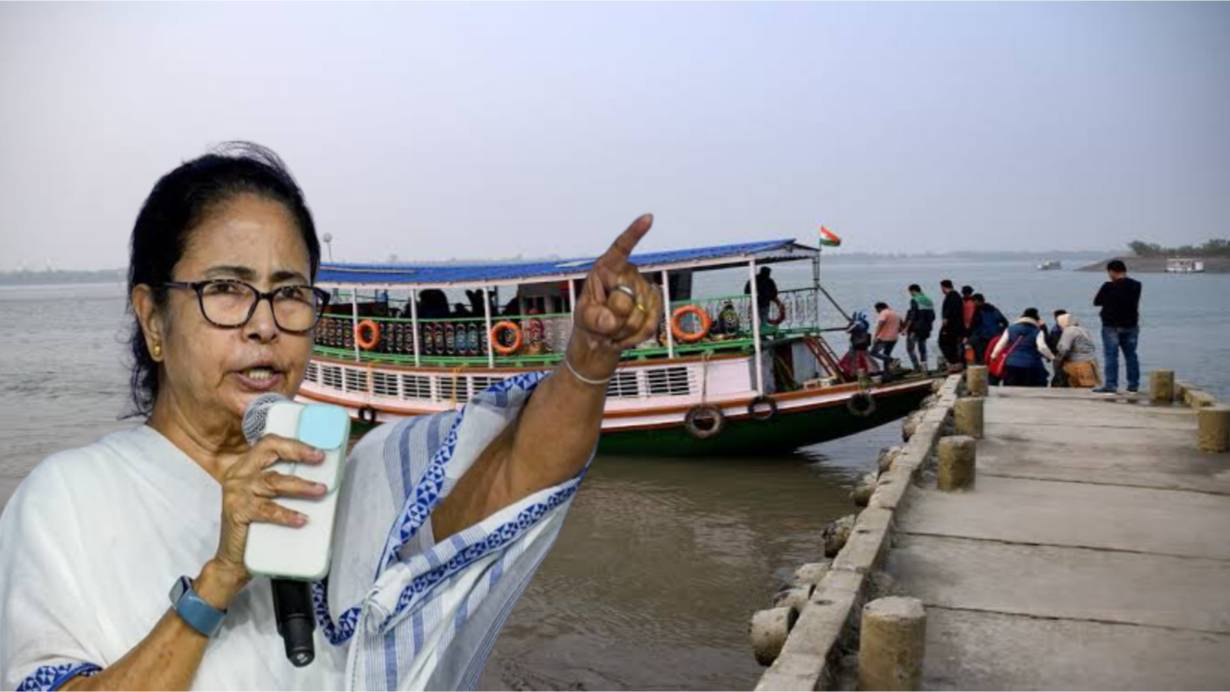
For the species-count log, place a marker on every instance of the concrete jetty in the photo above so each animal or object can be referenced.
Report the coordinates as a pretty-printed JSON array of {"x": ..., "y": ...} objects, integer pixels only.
[{"x": 1089, "y": 550}]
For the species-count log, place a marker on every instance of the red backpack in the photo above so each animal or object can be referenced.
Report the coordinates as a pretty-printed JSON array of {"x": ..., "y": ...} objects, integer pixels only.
[{"x": 995, "y": 366}]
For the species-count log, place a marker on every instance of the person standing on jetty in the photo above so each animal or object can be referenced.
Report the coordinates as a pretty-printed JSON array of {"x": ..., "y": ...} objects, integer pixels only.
[
  {"x": 442, "y": 519},
  {"x": 918, "y": 322},
  {"x": 1025, "y": 345},
  {"x": 952, "y": 326},
  {"x": 1119, "y": 299},
  {"x": 1076, "y": 354},
  {"x": 987, "y": 324}
]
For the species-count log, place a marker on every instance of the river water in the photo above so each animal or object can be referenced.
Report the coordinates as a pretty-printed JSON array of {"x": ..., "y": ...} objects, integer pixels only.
[{"x": 662, "y": 561}]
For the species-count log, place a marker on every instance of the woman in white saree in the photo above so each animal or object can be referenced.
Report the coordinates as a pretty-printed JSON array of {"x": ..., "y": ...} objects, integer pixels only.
[{"x": 442, "y": 521}]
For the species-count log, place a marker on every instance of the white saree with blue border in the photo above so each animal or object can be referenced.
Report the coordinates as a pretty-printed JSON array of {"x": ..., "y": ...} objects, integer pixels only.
[{"x": 399, "y": 610}]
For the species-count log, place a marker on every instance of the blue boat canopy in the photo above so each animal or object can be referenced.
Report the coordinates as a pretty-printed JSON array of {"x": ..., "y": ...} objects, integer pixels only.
[{"x": 494, "y": 273}]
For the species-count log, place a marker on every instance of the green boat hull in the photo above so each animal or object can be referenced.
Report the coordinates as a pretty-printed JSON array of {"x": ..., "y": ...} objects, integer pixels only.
[{"x": 782, "y": 433}]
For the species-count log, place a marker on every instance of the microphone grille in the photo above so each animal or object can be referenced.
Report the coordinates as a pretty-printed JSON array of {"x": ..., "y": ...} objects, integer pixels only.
[{"x": 254, "y": 416}]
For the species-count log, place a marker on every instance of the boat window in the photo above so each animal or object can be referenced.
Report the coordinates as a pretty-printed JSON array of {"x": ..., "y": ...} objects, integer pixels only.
[
  {"x": 623, "y": 383},
  {"x": 384, "y": 383},
  {"x": 669, "y": 381},
  {"x": 416, "y": 386},
  {"x": 356, "y": 380},
  {"x": 331, "y": 376}
]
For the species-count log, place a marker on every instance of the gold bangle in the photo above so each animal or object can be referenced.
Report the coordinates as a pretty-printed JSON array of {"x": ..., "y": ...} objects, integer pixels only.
[{"x": 582, "y": 378}]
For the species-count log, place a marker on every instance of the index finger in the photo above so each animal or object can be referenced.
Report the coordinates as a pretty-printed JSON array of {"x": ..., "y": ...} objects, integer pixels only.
[{"x": 622, "y": 248}]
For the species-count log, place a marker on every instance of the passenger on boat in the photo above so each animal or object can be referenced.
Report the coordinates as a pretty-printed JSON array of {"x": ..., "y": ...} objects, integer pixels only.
[
  {"x": 856, "y": 362},
  {"x": 442, "y": 519},
  {"x": 1077, "y": 354},
  {"x": 1025, "y": 345},
  {"x": 918, "y": 322},
  {"x": 766, "y": 290},
  {"x": 433, "y": 304},
  {"x": 727, "y": 321}
]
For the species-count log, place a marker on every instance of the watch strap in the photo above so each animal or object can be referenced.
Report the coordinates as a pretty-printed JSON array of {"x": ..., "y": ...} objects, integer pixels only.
[{"x": 194, "y": 610}]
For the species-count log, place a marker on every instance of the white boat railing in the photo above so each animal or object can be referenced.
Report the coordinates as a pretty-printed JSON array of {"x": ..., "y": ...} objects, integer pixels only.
[{"x": 371, "y": 383}]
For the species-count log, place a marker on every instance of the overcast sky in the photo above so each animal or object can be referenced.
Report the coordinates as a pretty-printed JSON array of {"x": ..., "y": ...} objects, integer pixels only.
[{"x": 438, "y": 131}]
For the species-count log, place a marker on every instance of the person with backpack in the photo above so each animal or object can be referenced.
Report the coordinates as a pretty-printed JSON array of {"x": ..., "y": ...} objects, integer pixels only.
[
  {"x": 856, "y": 362},
  {"x": 918, "y": 322},
  {"x": 1076, "y": 355},
  {"x": 1023, "y": 348}
]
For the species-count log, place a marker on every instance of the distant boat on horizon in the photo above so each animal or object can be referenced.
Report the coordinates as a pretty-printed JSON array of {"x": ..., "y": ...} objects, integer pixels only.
[{"x": 1050, "y": 265}]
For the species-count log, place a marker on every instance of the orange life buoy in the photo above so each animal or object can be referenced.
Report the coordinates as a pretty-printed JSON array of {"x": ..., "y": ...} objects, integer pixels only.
[
  {"x": 781, "y": 312},
  {"x": 367, "y": 334},
  {"x": 677, "y": 323},
  {"x": 497, "y": 329}
]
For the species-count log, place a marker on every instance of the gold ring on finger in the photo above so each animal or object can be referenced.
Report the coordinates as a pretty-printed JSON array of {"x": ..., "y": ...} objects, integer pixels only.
[{"x": 642, "y": 308}]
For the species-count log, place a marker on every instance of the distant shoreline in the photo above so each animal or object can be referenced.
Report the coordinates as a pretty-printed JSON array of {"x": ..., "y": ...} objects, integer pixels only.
[{"x": 1157, "y": 265}]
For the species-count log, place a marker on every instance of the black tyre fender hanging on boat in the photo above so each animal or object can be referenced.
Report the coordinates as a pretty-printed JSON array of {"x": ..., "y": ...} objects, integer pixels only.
[
  {"x": 698, "y": 416},
  {"x": 861, "y": 404},
  {"x": 757, "y": 403},
  {"x": 367, "y": 414}
]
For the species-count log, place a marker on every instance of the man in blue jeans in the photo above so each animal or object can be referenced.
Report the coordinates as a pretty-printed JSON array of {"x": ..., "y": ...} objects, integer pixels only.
[{"x": 1119, "y": 299}]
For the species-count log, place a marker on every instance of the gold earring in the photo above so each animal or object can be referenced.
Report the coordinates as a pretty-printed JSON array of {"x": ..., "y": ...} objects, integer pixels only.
[{"x": 157, "y": 350}]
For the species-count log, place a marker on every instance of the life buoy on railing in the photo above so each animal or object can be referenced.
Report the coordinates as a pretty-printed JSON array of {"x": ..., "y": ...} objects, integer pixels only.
[
  {"x": 781, "y": 312},
  {"x": 367, "y": 334},
  {"x": 754, "y": 409},
  {"x": 704, "y": 421},
  {"x": 677, "y": 323},
  {"x": 862, "y": 404},
  {"x": 498, "y": 346}
]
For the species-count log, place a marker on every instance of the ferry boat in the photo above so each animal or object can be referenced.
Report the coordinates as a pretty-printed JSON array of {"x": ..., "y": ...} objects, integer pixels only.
[
  {"x": 1184, "y": 265},
  {"x": 1050, "y": 265},
  {"x": 392, "y": 344}
]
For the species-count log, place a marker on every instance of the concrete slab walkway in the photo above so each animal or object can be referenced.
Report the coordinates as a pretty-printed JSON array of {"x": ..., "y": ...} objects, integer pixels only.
[{"x": 1093, "y": 552}]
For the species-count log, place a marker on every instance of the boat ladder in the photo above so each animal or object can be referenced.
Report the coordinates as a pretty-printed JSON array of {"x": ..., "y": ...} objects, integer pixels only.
[{"x": 824, "y": 356}]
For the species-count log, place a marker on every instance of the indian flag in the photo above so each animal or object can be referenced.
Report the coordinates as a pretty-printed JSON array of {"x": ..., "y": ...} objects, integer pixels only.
[{"x": 829, "y": 238}]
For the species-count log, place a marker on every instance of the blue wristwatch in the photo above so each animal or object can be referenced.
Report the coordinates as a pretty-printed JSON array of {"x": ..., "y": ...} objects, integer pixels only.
[{"x": 193, "y": 610}]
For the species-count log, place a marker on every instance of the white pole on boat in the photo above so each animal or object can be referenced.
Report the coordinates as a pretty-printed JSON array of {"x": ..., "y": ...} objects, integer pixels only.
[
  {"x": 666, "y": 311},
  {"x": 414, "y": 322},
  {"x": 751, "y": 277},
  {"x": 354, "y": 319},
  {"x": 815, "y": 287},
  {"x": 487, "y": 321}
]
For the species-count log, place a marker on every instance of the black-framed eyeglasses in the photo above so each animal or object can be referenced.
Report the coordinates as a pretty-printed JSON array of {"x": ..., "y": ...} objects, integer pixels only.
[{"x": 230, "y": 303}]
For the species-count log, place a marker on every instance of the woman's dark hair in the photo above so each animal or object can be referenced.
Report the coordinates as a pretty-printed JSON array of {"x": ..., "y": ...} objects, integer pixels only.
[
  {"x": 1031, "y": 313},
  {"x": 179, "y": 202},
  {"x": 967, "y": 291}
]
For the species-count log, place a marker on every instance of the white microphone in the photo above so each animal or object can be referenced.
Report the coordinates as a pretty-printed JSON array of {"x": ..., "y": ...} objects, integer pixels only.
[{"x": 295, "y": 556}]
